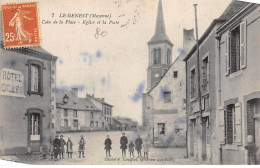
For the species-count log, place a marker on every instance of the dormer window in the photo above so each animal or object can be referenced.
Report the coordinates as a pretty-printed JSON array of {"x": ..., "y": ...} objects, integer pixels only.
[{"x": 65, "y": 99}]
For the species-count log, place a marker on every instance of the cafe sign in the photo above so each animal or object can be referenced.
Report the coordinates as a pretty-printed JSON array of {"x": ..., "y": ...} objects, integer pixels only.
[{"x": 11, "y": 83}]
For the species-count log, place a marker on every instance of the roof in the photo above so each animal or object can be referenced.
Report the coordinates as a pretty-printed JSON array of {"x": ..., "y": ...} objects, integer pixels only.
[
  {"x": 160, "y": 32},
  {"x": 231, "y": 10},
  {"x": 99, "y": 100},
  {"x": 37, "y": 52},
  {"x": 124, "y": 120},
  {"x": 74, "y": 102}
]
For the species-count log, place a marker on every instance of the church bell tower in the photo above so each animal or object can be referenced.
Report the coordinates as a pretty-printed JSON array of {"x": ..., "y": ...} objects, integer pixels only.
[{"x": 160, "y": 51}]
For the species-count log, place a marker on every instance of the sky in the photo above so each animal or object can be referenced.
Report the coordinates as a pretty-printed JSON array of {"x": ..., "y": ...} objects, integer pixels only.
[{"x": 113, "y": 64}]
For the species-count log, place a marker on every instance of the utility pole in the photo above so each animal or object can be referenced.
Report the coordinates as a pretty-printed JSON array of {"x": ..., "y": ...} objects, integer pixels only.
[
  {"x": 198, "y": 61},
  {"x": 199, "y": 131}
]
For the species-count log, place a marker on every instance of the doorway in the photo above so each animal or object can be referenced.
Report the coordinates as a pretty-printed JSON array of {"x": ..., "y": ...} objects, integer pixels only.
[
  {"x": 34, "y": 129},
  {"x": 253, "y": 122}
]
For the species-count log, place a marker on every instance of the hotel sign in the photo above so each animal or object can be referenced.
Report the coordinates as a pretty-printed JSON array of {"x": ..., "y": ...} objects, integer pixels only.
[{"x": 11, "y": 83}]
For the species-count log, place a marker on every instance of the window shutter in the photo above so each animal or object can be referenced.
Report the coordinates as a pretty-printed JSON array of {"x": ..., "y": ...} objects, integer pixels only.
[
  {"x": 227, "y": 55},
  {"x": 238, "y": 121},
  {"x": 221, "y": 132},
  {"x": 243, "y": 57}
]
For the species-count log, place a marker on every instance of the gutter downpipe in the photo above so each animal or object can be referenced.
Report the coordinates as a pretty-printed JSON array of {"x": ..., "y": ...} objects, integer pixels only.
[{"x": 218, "y": 37}]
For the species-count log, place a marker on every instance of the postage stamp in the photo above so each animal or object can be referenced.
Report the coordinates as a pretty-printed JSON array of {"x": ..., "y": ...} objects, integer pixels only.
[{"x": 20, "y": 25}]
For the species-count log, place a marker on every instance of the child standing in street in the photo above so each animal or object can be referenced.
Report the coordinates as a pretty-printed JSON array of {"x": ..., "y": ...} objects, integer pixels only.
[
  {"x": 69, "y": 148},
  {"x": 146, "y": 146},
  {"x": 81, "y": 146},
  {"x": 252, "y": 149},
  {"x": 131, "y": 147},
  {"x": 108, "y": 144}
]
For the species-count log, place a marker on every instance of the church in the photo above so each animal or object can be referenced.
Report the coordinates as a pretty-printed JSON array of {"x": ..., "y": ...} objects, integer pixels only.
[{"x": 164, "y": 103}]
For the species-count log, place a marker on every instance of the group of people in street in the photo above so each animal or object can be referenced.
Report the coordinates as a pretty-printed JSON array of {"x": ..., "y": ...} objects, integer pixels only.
[
  {"x": 138, "y": 146},
  {"x": 58, "y": 145},
  {"x": 57, "y": 148}
]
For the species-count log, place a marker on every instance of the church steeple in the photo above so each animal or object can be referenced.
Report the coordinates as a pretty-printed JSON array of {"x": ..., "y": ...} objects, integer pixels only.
[
  {"x": 160, "y": 32},
  {"x": 160, "y": 51}
]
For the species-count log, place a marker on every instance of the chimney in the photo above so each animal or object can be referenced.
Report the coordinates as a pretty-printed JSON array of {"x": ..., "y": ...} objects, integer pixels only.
[
  {"x": 103, "y": 99},
  {"x": 75, "y": 91},
  {"x": 188, "y": 38}
]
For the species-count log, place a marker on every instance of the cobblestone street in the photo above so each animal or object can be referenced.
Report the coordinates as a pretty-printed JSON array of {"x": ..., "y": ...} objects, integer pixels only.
[{"x": 95, "y": 153}]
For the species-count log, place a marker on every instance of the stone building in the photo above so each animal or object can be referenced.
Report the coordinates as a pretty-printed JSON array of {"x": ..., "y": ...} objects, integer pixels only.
[
  {"x": 105, "y": 108},
  {"x": 238, "y": 85},
  {"x": 26, "y": 99},
  {"x": 160, "y": 59},
  {"x": 77, "y": 114},
  {"x": 202, "y": 104},
  {"x": 168, "y": 109},
  {"x": 124, "y": 124}
]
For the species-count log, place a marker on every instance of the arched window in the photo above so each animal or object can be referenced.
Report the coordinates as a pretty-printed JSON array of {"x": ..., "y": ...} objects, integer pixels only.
[
  {"x": 91, "y": 123},
  {"x": 75, "y": 123},
  {"x": 154, "y": 56},
  {"x": 159, "y": 56},
  {"x": 168, "y": 56},
  {"x": 65, "y": 123}
]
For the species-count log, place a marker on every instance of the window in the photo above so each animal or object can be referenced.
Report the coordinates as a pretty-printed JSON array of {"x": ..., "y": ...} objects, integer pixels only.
[
  {"x": 96, "y": 123},
  {"x": 35, "y": 77},
  {"x": 231, "y": 124},
  {"x": 167, "y": 97},
  {"x": 235, "y": 50},
  {"x": 65, "y": 113},
  {"x": 192, "y": 83},
  {"x": 92, "y": 115},
  {"x": 205, "y": 74},
  {"x": 154, "y": 57},
  {"x": 66, "y": 123},
  {"x": 91, "y": 123},
  {"x": 175, "y": 74},
  {"x": 157, "y": 56},
  {"x": 35, "y": 124},
  {"x": 168, "y": 56},
  {"x": 161, "y": 128},
  {"x": 75, "y": 123},
  {"x": 52, "y": 107},
  {"x": 75, "y": 113}
]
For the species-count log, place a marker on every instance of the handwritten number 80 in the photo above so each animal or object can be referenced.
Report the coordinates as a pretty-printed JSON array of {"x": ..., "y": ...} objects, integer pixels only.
[{"x": 98, "y": 33}]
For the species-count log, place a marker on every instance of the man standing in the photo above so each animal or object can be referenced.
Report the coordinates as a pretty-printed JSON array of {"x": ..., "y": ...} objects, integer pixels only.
[
  {"x": 138, "y": 145},
  {"x": 123, "y": 144},
  {"x": 56, "y": 147},
  {"x": 62, "y": 144}
]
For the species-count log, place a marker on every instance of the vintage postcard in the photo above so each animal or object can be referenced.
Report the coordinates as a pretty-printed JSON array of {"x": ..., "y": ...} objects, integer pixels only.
[{"x": 130, "y": 82}]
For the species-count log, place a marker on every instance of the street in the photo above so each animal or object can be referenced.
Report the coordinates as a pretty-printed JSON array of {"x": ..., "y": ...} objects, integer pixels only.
[{"x": 95, "y": 153}]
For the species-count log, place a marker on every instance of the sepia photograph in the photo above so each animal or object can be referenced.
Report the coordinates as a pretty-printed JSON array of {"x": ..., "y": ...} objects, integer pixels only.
[{"x": 130, "y": 82}]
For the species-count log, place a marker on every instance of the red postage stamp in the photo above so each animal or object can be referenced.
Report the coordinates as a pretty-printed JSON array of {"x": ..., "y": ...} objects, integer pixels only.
[{"x": 20, "y": 25}]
